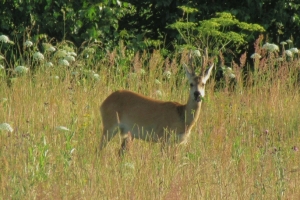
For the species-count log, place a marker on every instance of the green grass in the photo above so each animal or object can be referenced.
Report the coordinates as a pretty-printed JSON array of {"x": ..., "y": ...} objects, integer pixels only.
[{"x": 241, "y": 147}]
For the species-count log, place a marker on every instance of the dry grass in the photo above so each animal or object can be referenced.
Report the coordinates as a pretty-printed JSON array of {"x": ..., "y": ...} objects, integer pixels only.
[{"x": 247, "y": 148}]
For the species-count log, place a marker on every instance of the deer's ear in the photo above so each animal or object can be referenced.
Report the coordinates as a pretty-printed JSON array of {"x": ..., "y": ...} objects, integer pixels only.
[
  {"x": 208, "y": 73},
  {"x": 189, "y": 73}
]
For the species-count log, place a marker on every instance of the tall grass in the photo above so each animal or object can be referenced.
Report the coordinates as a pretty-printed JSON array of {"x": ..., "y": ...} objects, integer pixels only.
[{"x": 244, "y": 146}]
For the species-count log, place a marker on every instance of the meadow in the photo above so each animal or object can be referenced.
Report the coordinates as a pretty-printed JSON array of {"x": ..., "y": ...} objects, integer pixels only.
[{"x": 244, "y": 146}]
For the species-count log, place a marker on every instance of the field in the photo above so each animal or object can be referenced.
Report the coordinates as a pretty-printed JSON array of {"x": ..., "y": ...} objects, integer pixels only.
[{"x": 244, "y": 146}]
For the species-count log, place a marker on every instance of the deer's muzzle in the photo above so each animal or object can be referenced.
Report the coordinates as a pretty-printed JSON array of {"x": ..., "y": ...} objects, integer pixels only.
[{"x": 197, "y": 96}]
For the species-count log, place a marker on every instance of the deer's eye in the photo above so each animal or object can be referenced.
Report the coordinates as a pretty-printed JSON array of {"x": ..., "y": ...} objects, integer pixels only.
[{"x": 191, "y": 84}]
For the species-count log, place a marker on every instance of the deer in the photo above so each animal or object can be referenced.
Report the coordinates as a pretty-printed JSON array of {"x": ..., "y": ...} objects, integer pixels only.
[{"x": 137, "y": 116}]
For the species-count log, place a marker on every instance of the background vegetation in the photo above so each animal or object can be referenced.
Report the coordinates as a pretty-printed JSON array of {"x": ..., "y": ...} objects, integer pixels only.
[
  {"x": 61, "y": 59},
  {"x": 245, "y": 145},
  {"x": 141, "y": 24}
]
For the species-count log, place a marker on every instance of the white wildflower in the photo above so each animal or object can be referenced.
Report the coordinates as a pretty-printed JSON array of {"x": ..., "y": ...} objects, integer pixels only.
[
  {"x": 38, "y": 56},
  {"x": 47, "y": 45},
  {"x": 283, "y": 43},
  {"x": 62, "y": 128},
  {"x": 56, "y": 77},
  {"x": 4, "y": 100},
  {"x": 158, "y": 93},
  {"x": 229, "y": 69},
  {"x": 289, "y": 53},
  {"x": 255, "y": 55},
  {"x": 21, "y": 69},
  {"x": 70, "y": 58},
  {"x": 72, "y": 54},
  {"x": 197, "y": 53},
  {"x": 119, "y": 3},
  {"x": 231, "y": 75},
  {"x": 89, "y": 50},
  {"x": 129, "y": 165},
  {"x": 157, "y": 82},
  {"x": 96, "y": 76},
  {"x": 6, "y": 127},
  {"x": 49, "y": 64},
  {"x": 271, "y": 47},
  {"x": 72, "y": 150},
  {"x": 64, "y": 62},
  {"x": 28, "y": 43},
  {"x": 289, "y": 41},
  {"x": 68, "y": 49},
  {"x": 167, "y": 74},
  {"x": 265, "y": 46},
  {"x": 51, "y": 49},
  {"x": 294, "y": 50},
  {"x": 61, "y": 53},
  {"x": 142, "y": 71},
  {"x": 4, "y": 39}
]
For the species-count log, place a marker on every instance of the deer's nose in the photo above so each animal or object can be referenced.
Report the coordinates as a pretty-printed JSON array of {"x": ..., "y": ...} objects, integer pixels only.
[{"x": 197, "y": 96}]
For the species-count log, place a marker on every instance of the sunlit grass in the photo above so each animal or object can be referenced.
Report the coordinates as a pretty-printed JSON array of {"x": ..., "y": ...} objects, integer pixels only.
[{"x": 245, "y": 144}]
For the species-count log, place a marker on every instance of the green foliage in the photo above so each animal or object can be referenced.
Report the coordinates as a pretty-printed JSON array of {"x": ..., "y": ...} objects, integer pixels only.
[
  {"x": 146, "y": 25},
  {"x": 153, "y": 18},
  {"x": 72, "y": 20},
  {"x": 188, "y": 10},
  {"x": 216, "y": 34},
  {"x": 142, "y": 24}
]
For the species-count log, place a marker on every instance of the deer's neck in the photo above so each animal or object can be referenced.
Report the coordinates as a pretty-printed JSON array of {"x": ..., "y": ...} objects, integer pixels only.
[{"x": 192, "y": 112}]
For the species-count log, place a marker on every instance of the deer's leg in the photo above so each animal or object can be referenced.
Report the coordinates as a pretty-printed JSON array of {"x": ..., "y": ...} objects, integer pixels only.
[{"x": 127, "y": 140}]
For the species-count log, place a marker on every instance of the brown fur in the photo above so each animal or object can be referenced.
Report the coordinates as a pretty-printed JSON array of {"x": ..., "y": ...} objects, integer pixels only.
[{"x": 150, "y": 119}]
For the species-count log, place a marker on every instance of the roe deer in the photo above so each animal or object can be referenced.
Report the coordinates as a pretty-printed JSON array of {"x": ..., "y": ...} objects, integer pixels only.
[{"x": 138, "y": 116}]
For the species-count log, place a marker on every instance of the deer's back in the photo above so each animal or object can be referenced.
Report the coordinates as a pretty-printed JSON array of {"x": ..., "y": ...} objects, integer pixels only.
[{"x": 136, "y": 109}]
